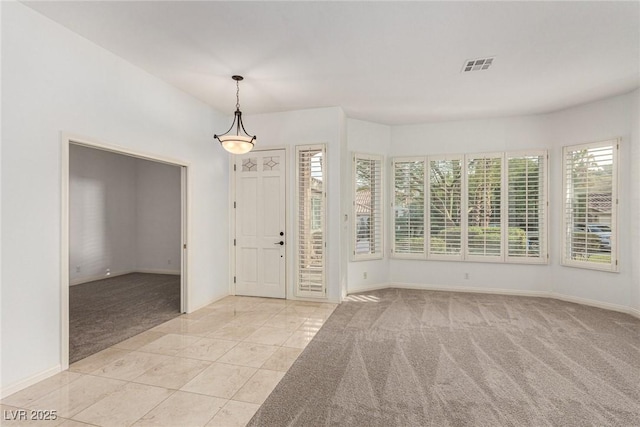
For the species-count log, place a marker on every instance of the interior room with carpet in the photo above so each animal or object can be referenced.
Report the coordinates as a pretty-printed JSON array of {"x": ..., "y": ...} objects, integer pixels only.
[
  {"x": 125, "y": 256},
  {"x": 436, "y": 223}
]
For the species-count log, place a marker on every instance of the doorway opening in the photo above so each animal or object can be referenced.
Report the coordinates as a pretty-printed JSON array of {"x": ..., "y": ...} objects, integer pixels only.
[{"x": 124, "y": 245}]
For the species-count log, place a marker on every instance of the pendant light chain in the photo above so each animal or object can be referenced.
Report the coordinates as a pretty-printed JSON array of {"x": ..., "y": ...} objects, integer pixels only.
[{"x": 237, "y": 95}]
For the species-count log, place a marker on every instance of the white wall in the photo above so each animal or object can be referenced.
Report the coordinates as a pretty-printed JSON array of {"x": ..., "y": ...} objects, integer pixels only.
[
  {"x": 606, "y": 119},
  {"x": 313, "y": 126},
  {"x": 102, "y": 214},
  {"x": 635, "y": 200},
  {"x": 592, "y": 122},
  {"x": 158, "y": 224},
  {"x": 54, "y": 80},
  {"x": 369, "y": 138}
]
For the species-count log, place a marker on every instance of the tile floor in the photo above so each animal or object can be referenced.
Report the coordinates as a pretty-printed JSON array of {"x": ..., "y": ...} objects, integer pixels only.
[{"x": 213, "y": 367}]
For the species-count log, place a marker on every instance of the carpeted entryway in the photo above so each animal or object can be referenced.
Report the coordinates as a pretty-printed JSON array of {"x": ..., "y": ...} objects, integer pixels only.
[
  {"x": 418, "y": 358},
  {"x": 105, "y": 312}
]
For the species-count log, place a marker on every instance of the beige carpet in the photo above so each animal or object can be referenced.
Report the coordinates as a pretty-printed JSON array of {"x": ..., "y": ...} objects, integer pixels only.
[
  {"x": 422, "y": 358},
  {"x": 108, "y": 311}
]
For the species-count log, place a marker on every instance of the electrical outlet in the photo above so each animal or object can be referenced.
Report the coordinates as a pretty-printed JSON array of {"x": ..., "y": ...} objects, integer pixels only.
[
  {"x": 466, "y": 276},
  {"x": 364, "y": 275},
  {"x": 169, "y": 261},
  {"x": 77, "y": 269},
  {"x": 108, "y": 272}
]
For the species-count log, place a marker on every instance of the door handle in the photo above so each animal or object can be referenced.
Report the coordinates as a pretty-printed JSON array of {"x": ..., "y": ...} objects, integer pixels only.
[{"x": 279, "y": 243}]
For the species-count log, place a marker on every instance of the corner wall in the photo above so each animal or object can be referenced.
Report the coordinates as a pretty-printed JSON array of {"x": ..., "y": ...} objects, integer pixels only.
[
  {"x": 158, "y": 217},
  {"x": 634, "y": 114},
  {"x": 52, "y": 81},
  {"x": 596, "y": 121},
  {"x": 368, "y": 138}
]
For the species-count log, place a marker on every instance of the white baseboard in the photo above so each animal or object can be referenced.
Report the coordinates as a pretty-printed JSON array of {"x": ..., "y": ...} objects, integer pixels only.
[
  {"x": 157, "y": 271},
  {"x": 214, "y": 299},
  {"x": 88, "y": 279},
  {"x": 594, "y": 303},
  {"x": 425, "y": 287},
  {"x": 497, "y": 291},
  {"x": 122, "y": 273},
  {"x": 367, "y": 288},
  {"x": 310, "y": 299},
  {"x": 21, "y": 385},
  {"x": 218, "y": 298}
]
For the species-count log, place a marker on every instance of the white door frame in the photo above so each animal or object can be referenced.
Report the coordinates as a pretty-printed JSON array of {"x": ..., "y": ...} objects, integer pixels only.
[
  {"x": 66, "y": 140},
  {"x": 232, "y": 220}
]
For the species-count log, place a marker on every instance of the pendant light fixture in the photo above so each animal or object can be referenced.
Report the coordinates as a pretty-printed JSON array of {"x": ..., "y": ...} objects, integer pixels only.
[{"x": 240, "y": 142}]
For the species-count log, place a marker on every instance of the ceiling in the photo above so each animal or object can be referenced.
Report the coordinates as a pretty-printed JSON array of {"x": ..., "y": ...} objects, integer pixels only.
[{"x": 386, "y": 62}]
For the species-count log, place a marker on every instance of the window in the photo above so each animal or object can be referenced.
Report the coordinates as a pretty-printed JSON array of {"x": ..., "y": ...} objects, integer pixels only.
[
  {"x": 445, "y": 207},
  {"x": 408, "y": 207},
  {"x": 590, "y": 203},
  {"x": 367, "y": 207},
  {"x": 527, "y": 207},
  {"x": 482, "y": 207},
  {"x": 310, "y": 220}
]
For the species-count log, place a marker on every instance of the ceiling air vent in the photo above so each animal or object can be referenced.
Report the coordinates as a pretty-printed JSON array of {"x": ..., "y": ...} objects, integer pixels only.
[{"x": 477, "y": 64}]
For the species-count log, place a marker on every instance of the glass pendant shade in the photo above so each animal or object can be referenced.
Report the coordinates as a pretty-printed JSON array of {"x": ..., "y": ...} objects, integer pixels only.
[{"x": 237, "y": 144}]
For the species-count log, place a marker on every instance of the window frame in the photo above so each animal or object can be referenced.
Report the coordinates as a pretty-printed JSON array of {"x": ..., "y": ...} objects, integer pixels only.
[
  {"x": 463, "y": 189},
  {"x": 392, "y": 184},
  {"x": 464, "y": 255},
  {"x": 566, "y": 259},
  {"x": 467, "y": 256},
  {"x": 544, "y": 203},
  {"x": 380, "y": 178},
  {"x": 298, "y": 286}
]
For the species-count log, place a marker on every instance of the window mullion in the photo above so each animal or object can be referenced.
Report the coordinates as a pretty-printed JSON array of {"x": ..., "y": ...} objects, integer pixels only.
[
  {"x": 427, "y": 207},
  {"x": 504, "y": 213},
  {"x": 464, "y": 223}
]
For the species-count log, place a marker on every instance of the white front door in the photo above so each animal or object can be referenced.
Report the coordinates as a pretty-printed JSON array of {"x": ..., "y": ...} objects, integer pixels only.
[{"x": 260, "y": 224}]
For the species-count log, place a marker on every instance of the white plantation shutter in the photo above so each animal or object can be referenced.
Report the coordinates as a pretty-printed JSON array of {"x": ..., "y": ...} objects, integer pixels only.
[
  {"x": 367, "y": 207},
  {"x": 310, "y": 220},
  {"x": 445, "y": 207},
  {"x": 484, "y": 207},
  {"x": 409, "y": 208},
  {"x": 489, "y": 207},
  {"x": 527, "y": 207},
  {"x": 590, "y": 205}
]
